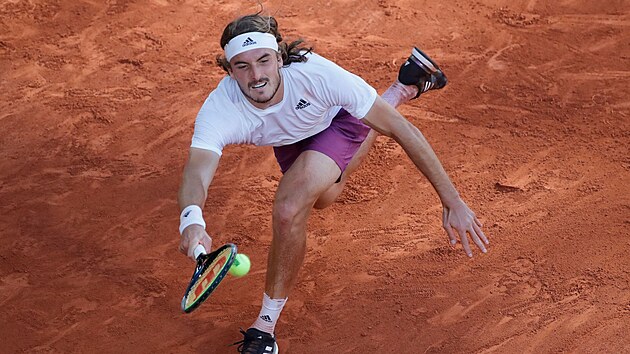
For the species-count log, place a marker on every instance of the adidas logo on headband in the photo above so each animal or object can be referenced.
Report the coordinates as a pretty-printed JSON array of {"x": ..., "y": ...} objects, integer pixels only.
[{"x": 248, "y": 41}]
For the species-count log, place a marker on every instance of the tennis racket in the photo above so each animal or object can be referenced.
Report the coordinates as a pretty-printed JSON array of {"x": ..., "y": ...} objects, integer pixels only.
[{"x": 210, "y": 270}]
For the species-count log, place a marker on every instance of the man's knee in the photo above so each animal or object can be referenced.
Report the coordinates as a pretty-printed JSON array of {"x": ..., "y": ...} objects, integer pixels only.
[{"x": 285, "y": 214}]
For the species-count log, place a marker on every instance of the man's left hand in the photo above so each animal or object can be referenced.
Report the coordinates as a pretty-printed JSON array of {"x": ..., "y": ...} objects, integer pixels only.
[{"x": 458, "y": 217}]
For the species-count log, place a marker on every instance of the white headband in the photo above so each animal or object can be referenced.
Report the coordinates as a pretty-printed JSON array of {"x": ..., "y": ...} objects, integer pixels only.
[{"x": 248, "y": 41}]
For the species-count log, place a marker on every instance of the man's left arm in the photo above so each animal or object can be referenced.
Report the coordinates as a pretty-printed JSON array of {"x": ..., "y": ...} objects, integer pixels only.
[{"x": 385, "y": 119}]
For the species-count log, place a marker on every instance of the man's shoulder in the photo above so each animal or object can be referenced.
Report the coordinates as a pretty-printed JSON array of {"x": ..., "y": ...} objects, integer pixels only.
[
  {"x": 313, "y": 60},
  {"x": 316, "y": 68}
]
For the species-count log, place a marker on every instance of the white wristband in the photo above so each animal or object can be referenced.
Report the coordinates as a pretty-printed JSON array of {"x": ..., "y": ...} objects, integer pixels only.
[{"x": 190, "y": 215}]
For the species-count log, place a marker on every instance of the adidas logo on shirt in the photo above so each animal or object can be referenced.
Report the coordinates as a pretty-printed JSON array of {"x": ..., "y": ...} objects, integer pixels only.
[
  {"x": 302, "y": 104},
  {"x": 248, "y": 41}
]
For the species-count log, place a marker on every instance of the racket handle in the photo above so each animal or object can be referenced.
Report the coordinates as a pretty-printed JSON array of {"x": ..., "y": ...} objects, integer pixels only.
[{"x": 199, "y": 250}]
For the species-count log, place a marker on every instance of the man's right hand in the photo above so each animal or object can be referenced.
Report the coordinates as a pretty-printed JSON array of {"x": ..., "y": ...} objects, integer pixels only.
[{"x": 192, "y": 236}]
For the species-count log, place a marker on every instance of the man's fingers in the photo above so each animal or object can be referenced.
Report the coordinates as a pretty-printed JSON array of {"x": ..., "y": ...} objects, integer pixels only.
[
  {"x": 205, "y": 241},
  {"x": 477, "y": 222},
  {"x": 451, "y": 234},
  {"x": 193, "y": 236},
  {"x": 448, "y": 228},
  {"x": 464, "y": 239},
  {"x": 191, "y": 248},
  {"x": 182, "y": 246},
  {"x": 477, "y": 241},
  {"x": 482, "y": 236},
  {"x": 192, "y": 244}
]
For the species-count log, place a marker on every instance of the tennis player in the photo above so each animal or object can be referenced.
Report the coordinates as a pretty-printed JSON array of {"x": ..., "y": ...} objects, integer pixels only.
[{"x": 321, "y": 121}]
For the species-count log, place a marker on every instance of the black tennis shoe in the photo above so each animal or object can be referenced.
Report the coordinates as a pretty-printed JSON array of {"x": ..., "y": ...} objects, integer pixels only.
[
  {"x": 257, "y": 342},
  {"x": 421, "y": 71}
]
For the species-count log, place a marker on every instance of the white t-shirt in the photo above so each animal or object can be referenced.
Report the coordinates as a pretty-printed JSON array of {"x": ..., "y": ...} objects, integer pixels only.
[{"x": 314, "y": 92}]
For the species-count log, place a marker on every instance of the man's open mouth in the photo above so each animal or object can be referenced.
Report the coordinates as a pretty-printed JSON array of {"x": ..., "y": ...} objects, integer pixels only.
[{"x": 259, "y": 85}]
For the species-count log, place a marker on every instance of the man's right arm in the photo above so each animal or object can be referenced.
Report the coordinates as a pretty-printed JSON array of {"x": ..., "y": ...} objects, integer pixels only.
[{"x": 198, "y": 174}]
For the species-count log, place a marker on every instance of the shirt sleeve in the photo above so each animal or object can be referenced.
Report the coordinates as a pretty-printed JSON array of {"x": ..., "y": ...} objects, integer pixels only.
[
  {"x": 340, "y": 87},
  {"x": 218, "y": 123}
]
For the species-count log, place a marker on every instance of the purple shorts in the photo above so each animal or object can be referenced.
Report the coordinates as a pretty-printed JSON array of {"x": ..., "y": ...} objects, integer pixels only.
[{"x": 340, "y": 141}]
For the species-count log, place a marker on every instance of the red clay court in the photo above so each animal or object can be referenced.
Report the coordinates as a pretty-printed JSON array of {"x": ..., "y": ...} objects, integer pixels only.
[{"x": 97, "y": 105}]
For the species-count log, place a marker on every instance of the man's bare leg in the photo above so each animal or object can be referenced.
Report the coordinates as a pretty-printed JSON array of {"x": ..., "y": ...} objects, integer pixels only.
[
  {"x": 311, "y": 174},
  {"x": 395, "y": 95}
]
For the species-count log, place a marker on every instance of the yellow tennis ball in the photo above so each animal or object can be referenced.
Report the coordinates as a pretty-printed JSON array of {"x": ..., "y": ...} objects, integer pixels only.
[{"x": 241, "y": 265}]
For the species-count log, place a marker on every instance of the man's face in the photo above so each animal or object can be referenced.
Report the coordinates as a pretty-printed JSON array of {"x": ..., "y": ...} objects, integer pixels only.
[{"x": 257, "y": 72}]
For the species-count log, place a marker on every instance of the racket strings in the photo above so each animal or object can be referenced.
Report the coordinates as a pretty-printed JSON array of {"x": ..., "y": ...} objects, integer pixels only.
[{"x": 209, "y": 271}]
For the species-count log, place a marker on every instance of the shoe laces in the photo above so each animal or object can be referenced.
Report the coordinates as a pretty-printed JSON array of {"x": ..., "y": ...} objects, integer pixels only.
[{"x": 250, "y": 344}]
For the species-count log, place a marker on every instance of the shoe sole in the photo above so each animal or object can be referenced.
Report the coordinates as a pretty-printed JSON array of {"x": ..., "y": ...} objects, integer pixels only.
[{"x": 425, "y": 60}]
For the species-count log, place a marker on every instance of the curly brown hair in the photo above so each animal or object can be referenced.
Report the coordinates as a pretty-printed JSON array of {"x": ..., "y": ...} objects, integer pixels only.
[{"x": 291, "y": 52}]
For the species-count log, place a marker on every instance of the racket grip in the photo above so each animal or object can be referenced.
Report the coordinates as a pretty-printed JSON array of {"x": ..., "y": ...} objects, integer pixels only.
[{"x": 199, "y": 250}]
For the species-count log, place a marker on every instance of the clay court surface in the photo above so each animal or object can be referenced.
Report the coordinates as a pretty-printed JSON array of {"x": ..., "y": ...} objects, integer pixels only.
[{"x": 97, "y": 105}]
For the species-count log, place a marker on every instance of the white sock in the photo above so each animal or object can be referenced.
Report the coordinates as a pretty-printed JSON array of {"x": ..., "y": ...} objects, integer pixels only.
[
  {"x": 269, "y": 314},
  {"x": 398, "y": 93}
]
